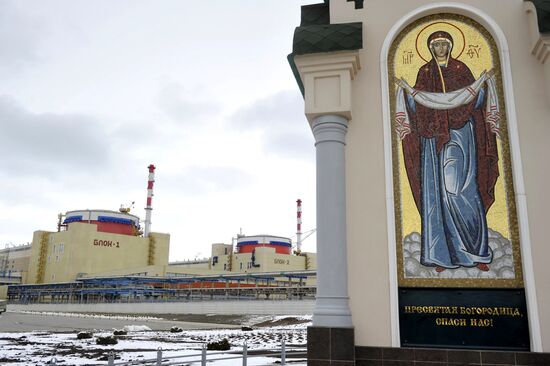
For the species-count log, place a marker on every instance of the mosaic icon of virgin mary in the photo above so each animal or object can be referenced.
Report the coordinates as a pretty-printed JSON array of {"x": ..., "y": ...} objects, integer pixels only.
[{"x": 448, "y": 124}]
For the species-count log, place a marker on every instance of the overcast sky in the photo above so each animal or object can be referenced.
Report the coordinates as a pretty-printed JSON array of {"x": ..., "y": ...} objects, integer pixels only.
[{"x": 92, "y": 92}]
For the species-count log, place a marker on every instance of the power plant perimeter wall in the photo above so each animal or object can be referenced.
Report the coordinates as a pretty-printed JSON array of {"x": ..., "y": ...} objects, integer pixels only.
[
  {"x": 256, "y": 307},
  {"x": 63, "y": 256}
]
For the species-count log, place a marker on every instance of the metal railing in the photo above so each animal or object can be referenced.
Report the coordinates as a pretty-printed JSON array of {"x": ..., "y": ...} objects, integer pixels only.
[
  {"x": 23, "y": 294},
  {"x": 204, "y": 357}
]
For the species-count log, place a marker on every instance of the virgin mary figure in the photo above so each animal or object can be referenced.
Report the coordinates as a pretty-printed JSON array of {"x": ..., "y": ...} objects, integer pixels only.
[{"x": 448, "y": 124}]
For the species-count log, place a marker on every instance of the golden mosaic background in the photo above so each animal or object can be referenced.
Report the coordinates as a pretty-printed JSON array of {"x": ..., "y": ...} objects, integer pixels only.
[{"x": 476, "y": 48}]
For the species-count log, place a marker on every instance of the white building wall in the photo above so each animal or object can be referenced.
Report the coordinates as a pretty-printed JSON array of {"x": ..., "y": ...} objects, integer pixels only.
[{"x": 368, "y": 255}]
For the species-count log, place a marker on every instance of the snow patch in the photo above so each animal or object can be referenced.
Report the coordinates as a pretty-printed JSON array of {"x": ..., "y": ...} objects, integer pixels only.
[
  {"x": 136, "y": 328},
  {"x": 84, "y": 315}
]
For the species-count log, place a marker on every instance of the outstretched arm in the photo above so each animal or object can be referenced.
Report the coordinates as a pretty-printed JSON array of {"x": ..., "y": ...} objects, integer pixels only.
[
  {"x": 403, "y": 84},
  {"x": 410, "y": 100}
]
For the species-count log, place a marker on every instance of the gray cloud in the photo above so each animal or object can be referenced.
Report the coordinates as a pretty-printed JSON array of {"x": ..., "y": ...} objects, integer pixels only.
[
  {"x": 19, "y": 37},
  {"x": 207, "y": 179},
  {"x": 47, "y": 144},
  {"x": 281, "y": 119},
  {"x": 19, "y": 192},
  {"x": 173, "y": 99},
  {"x": 291, "y": 143},
  {"x": 282, "y": 110},
  {"x": 148, "y": 133}
]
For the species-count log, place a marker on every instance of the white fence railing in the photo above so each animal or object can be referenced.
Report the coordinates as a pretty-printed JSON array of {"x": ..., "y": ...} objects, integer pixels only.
[{"x": 203, "y": 357}]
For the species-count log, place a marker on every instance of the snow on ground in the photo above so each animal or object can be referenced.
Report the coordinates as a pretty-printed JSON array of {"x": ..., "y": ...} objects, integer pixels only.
[
  {"x": 38, "y": 348},
  {"x": 136, "y": 328},
  {"x": 95, "y": 316}
]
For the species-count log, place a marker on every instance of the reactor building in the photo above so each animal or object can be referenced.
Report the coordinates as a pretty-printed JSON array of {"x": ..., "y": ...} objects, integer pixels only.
[{"x": 99, "y": 243}]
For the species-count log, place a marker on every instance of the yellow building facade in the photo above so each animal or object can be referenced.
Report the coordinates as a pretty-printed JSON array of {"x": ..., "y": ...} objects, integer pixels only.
[
  {"x": 263, "y": 259},
  {"x": 14, "y": 263},
  {"x": 82, "y": 250}
]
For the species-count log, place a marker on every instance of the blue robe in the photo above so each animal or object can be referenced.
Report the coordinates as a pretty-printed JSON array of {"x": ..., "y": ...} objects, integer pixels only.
[{"x": 454, "y": 225}]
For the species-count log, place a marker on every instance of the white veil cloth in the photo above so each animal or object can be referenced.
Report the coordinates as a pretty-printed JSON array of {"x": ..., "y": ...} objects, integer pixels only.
[{"x": 450, "y": 100}]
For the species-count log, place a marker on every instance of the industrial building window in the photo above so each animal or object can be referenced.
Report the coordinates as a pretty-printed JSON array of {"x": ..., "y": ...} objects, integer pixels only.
[
  {"x": 57, "y": 258},
  {"x": 61, "y": 248},
  {"x": 225, "y": 266},
  {"x": 49, "y": 258},
  {"x": 241, "y": 265},
  {"x": 54, "y": 248}
]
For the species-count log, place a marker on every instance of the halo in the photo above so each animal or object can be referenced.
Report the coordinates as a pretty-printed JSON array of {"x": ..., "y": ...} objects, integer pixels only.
[{"x": 422, "y": 38}]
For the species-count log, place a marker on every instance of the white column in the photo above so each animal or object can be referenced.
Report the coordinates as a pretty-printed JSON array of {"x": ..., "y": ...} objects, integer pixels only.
[
  {"x": 327, "y": 79},
  {"x": 332, "y": 305}
]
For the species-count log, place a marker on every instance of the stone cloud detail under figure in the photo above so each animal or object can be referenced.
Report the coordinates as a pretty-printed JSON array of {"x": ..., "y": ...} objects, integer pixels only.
[{"x": 502, "y": 265}]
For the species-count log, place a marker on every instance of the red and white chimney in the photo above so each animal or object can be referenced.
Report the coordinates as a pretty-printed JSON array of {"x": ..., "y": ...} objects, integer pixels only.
[
  {"x": 149, "y": 207},
  {"x": 299, "y": 226}
]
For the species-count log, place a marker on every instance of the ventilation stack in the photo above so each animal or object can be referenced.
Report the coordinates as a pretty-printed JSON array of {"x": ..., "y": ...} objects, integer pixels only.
[
  {"x": 298, "y": 226},
  {"x": 149, "y": 208}
]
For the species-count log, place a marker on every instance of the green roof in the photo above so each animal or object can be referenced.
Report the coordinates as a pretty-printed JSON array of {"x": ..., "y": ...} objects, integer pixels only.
[
  {"x": 358, "y": 3},
  {"x": 315, "y": 14},
  {"x": 315, "y": 35},
  {"x": 327, "y": 38},
  {"x": 543, "y": 14}
]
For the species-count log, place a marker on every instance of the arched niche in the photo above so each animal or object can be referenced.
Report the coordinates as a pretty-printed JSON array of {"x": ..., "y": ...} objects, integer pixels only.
[{"x": 478, "y": 45}]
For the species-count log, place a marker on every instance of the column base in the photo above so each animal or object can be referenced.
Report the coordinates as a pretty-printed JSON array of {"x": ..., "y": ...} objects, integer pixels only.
[
  {"x": 330, "y": 346},
  {"x": 332, "y": 312}
]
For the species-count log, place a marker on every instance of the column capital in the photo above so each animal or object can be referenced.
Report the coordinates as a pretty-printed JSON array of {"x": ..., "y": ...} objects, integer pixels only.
[
  {"x": 329, "y": 128},
  {"x": 540, "y": 44},
  {"x": 327, "y": 79}
]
